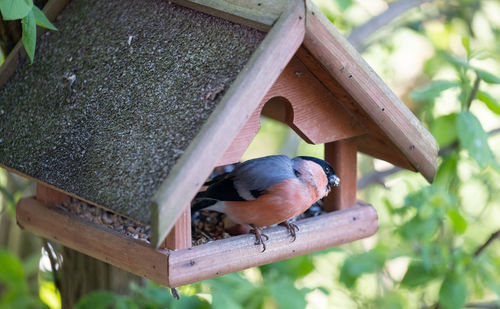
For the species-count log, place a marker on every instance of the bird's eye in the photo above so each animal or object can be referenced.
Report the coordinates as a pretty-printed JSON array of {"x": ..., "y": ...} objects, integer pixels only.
[
  {"x": 297, "y": 173},
  {"x": 327, "y": 169}
]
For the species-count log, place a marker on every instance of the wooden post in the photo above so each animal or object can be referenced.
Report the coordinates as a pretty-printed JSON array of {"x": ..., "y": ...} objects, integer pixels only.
[
  {"x": 49, "y": 196},
  {"x": 180, "y": 235},
  {"x": 342, "y": 156}
]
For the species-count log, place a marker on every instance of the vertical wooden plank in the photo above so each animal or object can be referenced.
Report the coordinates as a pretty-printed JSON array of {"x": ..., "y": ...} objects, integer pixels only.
[
  {"x": 342, "y": 156},
  {"x": 49, "y": 196},
  {"x": 180, "y": 235}
]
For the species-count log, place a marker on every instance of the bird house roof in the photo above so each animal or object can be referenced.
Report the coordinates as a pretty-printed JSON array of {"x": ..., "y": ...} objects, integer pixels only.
[{"x": 131, "y": 104}]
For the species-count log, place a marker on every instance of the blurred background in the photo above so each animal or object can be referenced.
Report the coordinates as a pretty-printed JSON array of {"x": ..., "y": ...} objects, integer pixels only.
[{"x": 438, "y": 245}]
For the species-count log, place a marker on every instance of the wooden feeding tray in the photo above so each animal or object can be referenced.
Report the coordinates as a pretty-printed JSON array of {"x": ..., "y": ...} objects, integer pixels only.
[
  {"x": 132, "y": 110},
  {"x": 174, "y": 268}
]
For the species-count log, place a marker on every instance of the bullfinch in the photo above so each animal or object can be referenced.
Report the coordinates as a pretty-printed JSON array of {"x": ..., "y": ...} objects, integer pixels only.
[{"x": 267, "y": 191}]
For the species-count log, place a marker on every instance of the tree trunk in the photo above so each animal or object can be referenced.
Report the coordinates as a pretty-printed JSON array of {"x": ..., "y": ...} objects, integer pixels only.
[{"x": 81, "y": 274}]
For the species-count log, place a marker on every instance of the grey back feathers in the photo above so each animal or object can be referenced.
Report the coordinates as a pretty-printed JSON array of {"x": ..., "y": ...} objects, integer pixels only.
[{"x": 259, "y": 174}]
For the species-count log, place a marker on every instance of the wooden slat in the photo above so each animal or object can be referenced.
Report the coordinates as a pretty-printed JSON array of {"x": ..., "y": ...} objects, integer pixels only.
[
  {"x": 342, "y": 156},
  {"x": 51, "y": 10},
  {"x": 306, "y": 105},
  {"x": 49, "y": 196},
  {"x": 100, "y": 242},
  {"x": 345, "y": 64},
  {"x": 257, "y": 14},
  {"x": 180, "y": 235},
  {"x": 232, "y": 112},
  {"x": 239, "y": 252},
  {"x": 382, "y": 148}
]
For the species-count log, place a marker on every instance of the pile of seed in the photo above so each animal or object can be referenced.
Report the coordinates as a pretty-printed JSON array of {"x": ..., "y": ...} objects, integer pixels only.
[
  {"x": 90, "y": 213},
  {"x": 206, "y": 225}
]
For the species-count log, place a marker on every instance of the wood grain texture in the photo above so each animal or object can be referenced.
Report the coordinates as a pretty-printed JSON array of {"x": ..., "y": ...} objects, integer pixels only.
[
  {"x": 345, "y": 64},
  {"x": 97, "y": 241},
  {"x": 382, "y": 148},
  {"x": 257, "y": 14},
  {"x": 300, "y": 100},
  {"x": 239, "y": 252},
  {"x": 51, "y": 10},
  {"x": 235, "y": 108},
  {"x": 342, "y": 155},
  {"x": 49, "y": 196},
  {"x": 180, "y": 235}
]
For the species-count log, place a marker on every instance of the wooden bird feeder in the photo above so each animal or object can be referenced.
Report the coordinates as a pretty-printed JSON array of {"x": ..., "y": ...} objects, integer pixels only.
[{"x": 131, "y": 104}]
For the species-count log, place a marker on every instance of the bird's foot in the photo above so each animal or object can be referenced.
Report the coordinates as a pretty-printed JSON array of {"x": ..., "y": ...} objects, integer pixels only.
[
  {"x": 292, "y": 229},
  {"x": 259, "y": 237}
]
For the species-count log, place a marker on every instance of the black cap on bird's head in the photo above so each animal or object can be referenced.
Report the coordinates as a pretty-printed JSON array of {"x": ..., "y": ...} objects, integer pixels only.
[{"x": 333, "y": 180}]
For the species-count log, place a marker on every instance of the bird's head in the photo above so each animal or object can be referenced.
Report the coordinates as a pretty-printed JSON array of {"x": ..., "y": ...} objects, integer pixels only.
[{"x": 333, "y": 179}]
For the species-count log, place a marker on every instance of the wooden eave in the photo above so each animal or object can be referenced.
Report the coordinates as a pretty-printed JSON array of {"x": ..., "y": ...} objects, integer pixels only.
[{"x": 346, "y": 66}]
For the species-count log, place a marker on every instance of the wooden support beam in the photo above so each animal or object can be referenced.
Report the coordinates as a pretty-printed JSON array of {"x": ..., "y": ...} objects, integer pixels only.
[
  {"x": 239, "y": 252},
  {"x": 180, "y": 235},
  {"x": 342, "y": 156},
  {"x": 49, "y": 196},
  {"x": 100, "y": 242}
]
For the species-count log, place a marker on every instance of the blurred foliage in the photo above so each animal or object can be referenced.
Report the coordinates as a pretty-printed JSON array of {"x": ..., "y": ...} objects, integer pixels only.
[
  {"x": 436, "y": 246},
  {"x": 31, "y": 16}
]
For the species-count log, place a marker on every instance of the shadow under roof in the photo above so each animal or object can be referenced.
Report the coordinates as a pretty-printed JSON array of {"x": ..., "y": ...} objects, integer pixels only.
[{"x": 147, "y": 75}]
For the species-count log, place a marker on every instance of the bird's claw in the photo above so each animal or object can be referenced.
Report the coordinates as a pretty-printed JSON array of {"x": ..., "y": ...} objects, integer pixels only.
[
  {"x": 292, "y": 229},
  {"x": 259, "y": 237}
]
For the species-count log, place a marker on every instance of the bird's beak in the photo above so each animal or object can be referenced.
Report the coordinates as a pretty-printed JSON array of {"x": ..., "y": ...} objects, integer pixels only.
[{"x": 334, "y": 181}]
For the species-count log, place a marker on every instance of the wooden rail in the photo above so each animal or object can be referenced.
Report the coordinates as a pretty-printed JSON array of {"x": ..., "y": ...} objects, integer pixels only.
[{"x": 176, "y": 268}]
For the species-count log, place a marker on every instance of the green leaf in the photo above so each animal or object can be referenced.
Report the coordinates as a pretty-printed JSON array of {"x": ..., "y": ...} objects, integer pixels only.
[
  {"x": 446, "y": 174},
  {"x": 287, "y": 295},
  {"x": 295, "y": 268},
  {"x": 29, "y": 34},
  {"x": 41, "y": 19},
  {"x": 190, "y": 302},
  {"x": 489, "y": 100},
  {"x": 356, "y": 265},
  {"x": 473, "y": 138},
  {"x": 391, "y": 300},
  {"x": 418, "y": 228},
  {"x": 466, "y": 45},
  {"x": 97, "y": 300},
  {"x": 15, "y": 9},
  {"x": 444, "y": 129},
  {"x": 488, "y": 77},
  {"x": 344, "y": 4},
  {"x": 458, "y": 222},
  {"x": 222, "y": 300},
  {"x": 12, "y": 269},
  {"x": 432, "y": 90},
  {"x": 453, "y": 291},
  {"x": 417, "y": 275}
]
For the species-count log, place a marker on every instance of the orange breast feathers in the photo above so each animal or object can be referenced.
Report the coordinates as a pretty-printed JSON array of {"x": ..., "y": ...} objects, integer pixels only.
[{"x": 282, "y": 201}]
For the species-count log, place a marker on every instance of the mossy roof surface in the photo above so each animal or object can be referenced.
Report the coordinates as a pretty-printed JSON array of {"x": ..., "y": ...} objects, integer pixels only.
[{"x": 147, "y": 75}]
